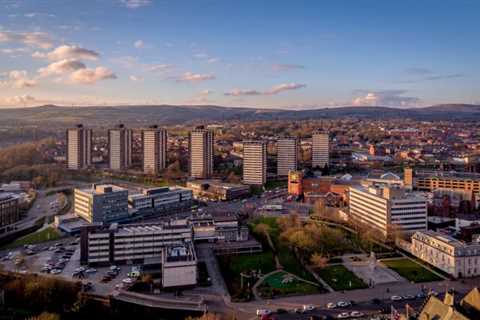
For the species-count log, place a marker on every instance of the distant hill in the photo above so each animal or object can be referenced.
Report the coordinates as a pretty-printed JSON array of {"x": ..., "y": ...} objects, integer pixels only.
[{"x": 138, "y": 116}]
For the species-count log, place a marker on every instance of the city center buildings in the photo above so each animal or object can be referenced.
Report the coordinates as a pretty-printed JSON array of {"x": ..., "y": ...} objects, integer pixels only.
[
  {"x": 79, "y": 148},
  {"x": 254, "y": 162},
  {"x": 200, "y": 146}
]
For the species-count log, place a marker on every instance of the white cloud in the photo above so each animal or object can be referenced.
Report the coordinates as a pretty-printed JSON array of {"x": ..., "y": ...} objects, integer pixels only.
[
  {"x": 91, "y": 76},
  {"x": 134, "y": 4},
  {"x": 284, "y": 87},
  {"x": 136, "y": 78},
  {"x": 273, "y": 90},
  {"x": 139, "y": 44},
  {"x": 213, "y": 60},
  {"x": 195, "y": 77},
  {"x": 61, "y": 67},
  {"x": 35, "y": 39},
  {"x": 389, "y": 98},
  {"x": 159, "y": 67},
  {"x": 68, "y": 52},
  {"x": 18, "y": 79},
  {"x": 205, "y": 92},
  {"x": 22, "y": 100}
]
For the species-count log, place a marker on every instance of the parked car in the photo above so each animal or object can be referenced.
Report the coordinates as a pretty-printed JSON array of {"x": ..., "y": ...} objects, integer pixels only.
[
  {"x": 308, "y": 307},
  {"x": 395, "y": 298},
  {"x": 331, "y": 305},
  {"x": 356, "y": 314},
  {"x": 56, "y": 271},
  {"x": 91, "y": 270},
  {"x": 262, "y": 312},
  {"x": 343, "y": 304},
  {"x": 343, "y": 315},
  {"x": 128, "y": 280}
]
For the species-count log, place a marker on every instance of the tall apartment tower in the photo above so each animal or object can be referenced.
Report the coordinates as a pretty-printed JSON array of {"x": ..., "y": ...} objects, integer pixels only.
[
  {"x": 320, "y": 149},
  {"x": 200, "y": 147},
  {"x": 287, "y": 156},
  {"x": 154, "y": 142},
  {"x": 254, "y": 162},
  {"x": 120, "y": 148},
  {"x": 79, "y": 148}
]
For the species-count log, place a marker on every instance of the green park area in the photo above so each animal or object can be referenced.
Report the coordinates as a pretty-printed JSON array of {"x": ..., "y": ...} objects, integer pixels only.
[
  {"x": 283, "y": 283},
  {"x": 251, "y": 266},
  {"x": 411, "y": 270},
  {"x": 47, "y": 234},
  {"x": 340, "y": 278}
]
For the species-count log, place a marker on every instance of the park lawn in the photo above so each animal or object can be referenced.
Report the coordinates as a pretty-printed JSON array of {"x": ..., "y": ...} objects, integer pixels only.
[
  {"x": 273, "y": 286},
  {"x": 232, "y": 266},
  {"x": 410, "y": 270},
  {"x": 47, "y": 234},
  {"x": 340, "y": 278}
]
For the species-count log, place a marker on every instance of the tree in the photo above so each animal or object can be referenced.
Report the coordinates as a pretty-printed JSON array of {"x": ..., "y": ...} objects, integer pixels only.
[
  {"x": 318, "y": 261},
  {"x": 46, "y": 316},
  {"x": 264, "y": 229}
]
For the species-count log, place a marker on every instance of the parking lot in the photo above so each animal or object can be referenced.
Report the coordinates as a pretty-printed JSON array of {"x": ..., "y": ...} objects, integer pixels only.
[{"x": 62, "y": 259}]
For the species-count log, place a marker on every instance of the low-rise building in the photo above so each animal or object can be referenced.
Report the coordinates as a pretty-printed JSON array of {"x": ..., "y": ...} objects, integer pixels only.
[
  {"x": 101, "y": 203},
  {"x": 218, "y": 190},
  {"x": 9, "y": 209},
  {"x": 157, "y": 201},
  {"x": 455, "y": 257},
  {"x": 179, "y": 266}
]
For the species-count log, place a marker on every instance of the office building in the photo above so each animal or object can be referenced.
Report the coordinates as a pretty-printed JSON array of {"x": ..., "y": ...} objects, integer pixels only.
[
  {"x": 9, "y": 208},
  {"x": 287, "y": 156},
  {"x": 388, "y": 209},
  {"x": 101, "y": 203},
  {"x": 169, "y": 244},
  {"x": 154, "y": 142},
  {"x": 457, "y": 258},
  {"x": 218, "y": 190},
  {"x": 79, "y": 148},
  {"x": 295, "y": 183},
  {"x": 158, "y": 201},
  {"x": 254, "y": 162},
  {"x": 320, "y": 149},
  {"x": 120, "y": 148},
  {"x": 432, "y": 180},
  {"x": 200, "y": 147}
]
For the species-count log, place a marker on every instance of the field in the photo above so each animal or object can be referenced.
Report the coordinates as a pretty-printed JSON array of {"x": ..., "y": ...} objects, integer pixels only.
[
  {"x": 274, "y": 285},
  {"x": 340, "y": 278},
  {"x": 410, "y": 270},
  {"x": 44, "y": 235}
]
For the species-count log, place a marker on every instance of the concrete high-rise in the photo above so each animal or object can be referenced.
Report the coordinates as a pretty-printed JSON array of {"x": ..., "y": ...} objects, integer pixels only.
[
  {"x": 320, "y": 149},
  {"x": 200, "y": 148},
  {"x": 254, "y": 162},
  {"x": 154, "y": 141},
  {"x": 120, "y": 148},
  {"x": 287, "y": 156},
  {"x": 79, "y": 148}
]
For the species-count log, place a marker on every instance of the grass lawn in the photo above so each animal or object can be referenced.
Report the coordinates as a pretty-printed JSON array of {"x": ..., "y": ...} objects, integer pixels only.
[
  {"x": 340, "y": 278},
  {"x": 47, "y": 234},
  {"x": 273, "y": 286},
  {"x": 410, "y": 270},
  {"x": 232, "y": 266}
]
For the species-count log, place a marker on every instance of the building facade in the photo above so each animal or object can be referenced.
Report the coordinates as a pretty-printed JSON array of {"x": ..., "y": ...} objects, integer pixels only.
[
  {"x": 101, "y": 203},
  {"x": 158, "y": 201},
  {"x": 388, "y": 209},
  {"x": 169, "y": 244},
  {"x": 120, "y": 148},
  {"x": 455, "y": 257},
  {"x": 9, "y": 209},
  {"x": 154, "y": 143},
  {"x": 320, "y": 149},
  {"x": 79, "y": 148},
  {"x": 254, "y": 162},
  {"x": 287, "y": 156},
  {"x": 218, "y": 190},
  {"x": 201, "y": 151}
]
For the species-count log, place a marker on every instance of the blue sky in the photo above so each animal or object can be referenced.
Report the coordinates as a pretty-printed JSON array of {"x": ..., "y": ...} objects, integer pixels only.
[{"x": 289, "y": 54}]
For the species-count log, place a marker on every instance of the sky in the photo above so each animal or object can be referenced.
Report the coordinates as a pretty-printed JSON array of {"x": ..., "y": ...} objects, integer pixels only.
[{"x": 254, "y": 53}]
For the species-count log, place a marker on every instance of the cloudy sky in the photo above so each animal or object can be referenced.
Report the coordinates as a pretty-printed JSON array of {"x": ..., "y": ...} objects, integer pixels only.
[{"x": 268, "y": 53}]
